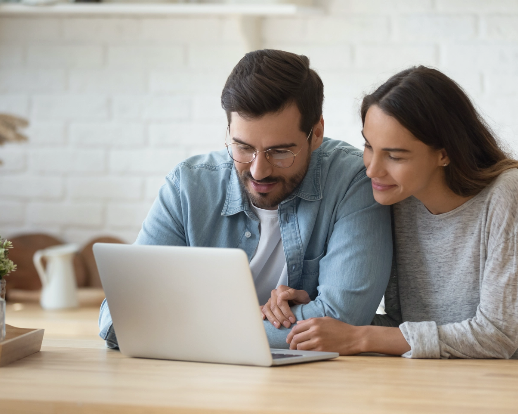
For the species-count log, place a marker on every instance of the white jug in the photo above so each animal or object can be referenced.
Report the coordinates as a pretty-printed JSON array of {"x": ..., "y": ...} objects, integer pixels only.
[{"x": 59, "y": 288}]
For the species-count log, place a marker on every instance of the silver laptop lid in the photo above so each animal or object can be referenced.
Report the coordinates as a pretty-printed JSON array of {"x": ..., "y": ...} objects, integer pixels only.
[{"x": 183, "y": 303}]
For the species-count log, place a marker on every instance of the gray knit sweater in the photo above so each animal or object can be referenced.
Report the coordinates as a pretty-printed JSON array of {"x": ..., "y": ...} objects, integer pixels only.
[{"x": 454, "y": 282}]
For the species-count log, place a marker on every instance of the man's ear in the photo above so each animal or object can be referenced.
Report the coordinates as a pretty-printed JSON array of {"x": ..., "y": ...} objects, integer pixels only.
[{"x": 318, "y": 134}]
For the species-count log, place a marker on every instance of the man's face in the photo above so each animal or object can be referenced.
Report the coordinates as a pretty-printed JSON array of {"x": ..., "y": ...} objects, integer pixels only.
[{"x": 266, "y": 184}]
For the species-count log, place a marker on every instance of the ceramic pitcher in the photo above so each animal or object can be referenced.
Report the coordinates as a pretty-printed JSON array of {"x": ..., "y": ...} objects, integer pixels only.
[{"x": 59, "y": 289}]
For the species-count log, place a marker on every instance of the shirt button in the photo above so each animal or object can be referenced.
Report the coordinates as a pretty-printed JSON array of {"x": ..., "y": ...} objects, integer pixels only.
[{"x": 248, "y": 234}]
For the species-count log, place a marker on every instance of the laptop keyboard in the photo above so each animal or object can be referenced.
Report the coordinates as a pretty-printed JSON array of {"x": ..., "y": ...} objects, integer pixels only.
[{"x": 281, "y": 356}]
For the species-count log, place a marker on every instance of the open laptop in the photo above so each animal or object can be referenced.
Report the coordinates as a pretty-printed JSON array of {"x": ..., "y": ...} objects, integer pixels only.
[{"x": 188, "y": 303}]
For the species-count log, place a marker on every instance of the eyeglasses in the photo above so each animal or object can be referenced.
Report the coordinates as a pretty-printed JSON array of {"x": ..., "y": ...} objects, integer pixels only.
[{"x": 245, "y": 154}]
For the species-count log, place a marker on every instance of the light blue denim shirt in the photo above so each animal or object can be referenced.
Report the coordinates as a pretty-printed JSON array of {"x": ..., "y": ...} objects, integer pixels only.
[{"x": 336, "y": 238}]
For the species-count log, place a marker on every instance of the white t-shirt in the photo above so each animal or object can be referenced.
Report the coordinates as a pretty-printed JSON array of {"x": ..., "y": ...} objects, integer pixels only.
[{"x": 268, "y": 265}]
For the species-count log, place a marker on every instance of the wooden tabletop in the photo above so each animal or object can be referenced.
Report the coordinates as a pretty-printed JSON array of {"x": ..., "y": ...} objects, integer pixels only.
[{"x": 81, "y": 375}]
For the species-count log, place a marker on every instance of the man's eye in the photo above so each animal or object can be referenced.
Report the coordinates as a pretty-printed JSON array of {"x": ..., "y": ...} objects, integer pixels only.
[
  {"x": 279, "y": 151},
  {"x": 244, "y": 148}
]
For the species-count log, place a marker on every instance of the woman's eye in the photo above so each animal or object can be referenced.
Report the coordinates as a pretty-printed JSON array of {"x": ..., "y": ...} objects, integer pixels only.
[
  {"x": 395, "y": 158},
  {"x": 366, "y": 145}
]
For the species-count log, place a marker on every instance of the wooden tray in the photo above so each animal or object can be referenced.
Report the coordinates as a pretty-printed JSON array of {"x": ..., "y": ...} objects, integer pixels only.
[{"x": 19, "y": 343}]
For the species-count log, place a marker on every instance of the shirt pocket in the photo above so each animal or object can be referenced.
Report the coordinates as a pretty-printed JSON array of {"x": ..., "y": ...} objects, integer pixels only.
[{"x": 310, "y": 272}]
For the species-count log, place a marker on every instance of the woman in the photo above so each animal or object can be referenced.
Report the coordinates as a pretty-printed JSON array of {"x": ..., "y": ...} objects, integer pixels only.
[{"x": 453, "y": 292}]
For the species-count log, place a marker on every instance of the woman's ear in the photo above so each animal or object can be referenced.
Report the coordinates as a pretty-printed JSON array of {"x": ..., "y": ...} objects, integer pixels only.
[
  {"x": 318, "y": 134},
  {"x": 444, "y": 160}
]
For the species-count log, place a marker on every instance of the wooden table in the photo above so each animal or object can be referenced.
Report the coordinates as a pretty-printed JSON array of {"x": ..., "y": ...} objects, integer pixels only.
[{"x": 82, "y": 376}]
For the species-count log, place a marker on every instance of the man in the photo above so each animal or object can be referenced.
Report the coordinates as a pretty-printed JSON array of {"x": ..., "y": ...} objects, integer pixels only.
[{"x": 299, "y": 205}]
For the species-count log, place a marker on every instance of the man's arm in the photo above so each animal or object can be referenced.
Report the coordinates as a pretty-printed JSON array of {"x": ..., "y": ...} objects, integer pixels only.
[
  {"x": 162, "y": 226},
  {"x": 354, "y": 272}
]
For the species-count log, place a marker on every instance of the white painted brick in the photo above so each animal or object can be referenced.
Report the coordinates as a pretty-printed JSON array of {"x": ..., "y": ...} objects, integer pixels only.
[
  {"x": 470, "y": 82},
  {"x": 215, "y": 55},
  {"x": 181, "y": 29},
  {"x": 348, "y": 29},
  {"x": 107, "y": 135},
  {"x": 501, "y": 27},
  {"x": 14, "y": 28},
  {"x": 203, "y": 149},
  {"x": 187, "y": 134},
  {"x": 14, "y": 104},
  {"x": 46, "y": 133},
  {"x": 152, "y": 186},
  {"x": 12, "y": 159},
  {"x": 108, "y": 81},
  {"x": 477, "y": 6},
  {"x": 340, "y": 111},
  {"x": 157, "y": 161},
  {"x": 208, "y": 108},
  {"x": 64, "y": 56},
  {"x": 108, "y": 188},
  {"x": 433, "y": 27},
  {"x": 502, "y": 84},
  {"x": 127, "y": 215},
  {"x": 68, "y": 107},
  {"x": 352, "y": 84},
  {"x": 11, "y": 56},
  {"x": 79, "y": 214},
  {"x": 82, "y": 236},
  {"x": 379, "y": 6},
  {"x": 153, "y": 108},
  {"x": 284, "y": 30},
  {"x": 93, "y": 29},
  {"x": 320, "y": 56},
  {"x": 31, "y": 187},
  {"x": 27, "y": 80},
  {"x": 67, "y": 160},
  {"x": 206, "y": 81},
  {"x": 475, "y": 57},
  {"x": 154, "y": 57},
  {"x": 395, "y": 57},
  {"x": 12, "y": 213}
]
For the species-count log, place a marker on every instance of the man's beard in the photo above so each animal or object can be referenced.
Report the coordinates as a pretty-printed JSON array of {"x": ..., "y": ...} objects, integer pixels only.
[{"x": 262, "y": 200}]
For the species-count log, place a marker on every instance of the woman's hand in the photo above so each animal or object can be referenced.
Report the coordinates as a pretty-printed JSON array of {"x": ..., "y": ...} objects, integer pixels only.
[
  {"x": 277, "y": 309},
  {"x": 327, "y": 334},
  {"x": 331, "y": 335}
]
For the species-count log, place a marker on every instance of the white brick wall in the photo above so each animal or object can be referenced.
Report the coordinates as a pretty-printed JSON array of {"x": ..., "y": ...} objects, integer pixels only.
[{"x": 115, "y": 102}]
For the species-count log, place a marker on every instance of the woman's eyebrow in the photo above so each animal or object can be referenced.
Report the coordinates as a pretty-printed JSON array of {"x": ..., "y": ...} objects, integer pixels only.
[{"x": 388, "y": 149}]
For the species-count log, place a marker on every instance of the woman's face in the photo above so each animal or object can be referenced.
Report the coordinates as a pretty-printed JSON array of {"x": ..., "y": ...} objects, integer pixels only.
[{"x": 398, "y": 164}]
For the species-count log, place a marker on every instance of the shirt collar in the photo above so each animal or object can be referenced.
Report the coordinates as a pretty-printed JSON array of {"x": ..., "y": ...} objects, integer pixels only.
[{"x": 310, "y": 189}]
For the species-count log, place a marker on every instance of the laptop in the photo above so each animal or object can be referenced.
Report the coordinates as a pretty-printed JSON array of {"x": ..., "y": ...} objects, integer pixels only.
[{"x": 188, "y": 304}]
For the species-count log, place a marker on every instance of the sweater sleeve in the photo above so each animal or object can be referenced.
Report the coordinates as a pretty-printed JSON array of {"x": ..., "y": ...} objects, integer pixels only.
[{"x": 493, "y": 331}]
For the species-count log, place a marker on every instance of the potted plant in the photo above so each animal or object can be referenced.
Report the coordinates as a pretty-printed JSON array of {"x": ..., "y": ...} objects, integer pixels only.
[{"x": 6, "y": 266}]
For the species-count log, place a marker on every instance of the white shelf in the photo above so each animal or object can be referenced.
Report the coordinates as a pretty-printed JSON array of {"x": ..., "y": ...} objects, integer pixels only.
[{"x": 158, "y": 9}]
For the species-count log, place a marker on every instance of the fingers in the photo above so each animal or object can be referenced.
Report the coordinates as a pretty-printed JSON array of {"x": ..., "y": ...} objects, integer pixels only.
[
  {"x": 270, "y": 316},
  {"x": 301, "y": 326},
  {"x": 303, "y": 341},
  {"x": 262, "y": 314},
  {"x": 285, "y": 309},
  {"x": 297, "y": 296}
]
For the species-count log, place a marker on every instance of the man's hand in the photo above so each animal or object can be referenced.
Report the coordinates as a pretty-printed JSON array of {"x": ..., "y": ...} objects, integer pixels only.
[
  {"x": 277, "y": 309},
  {"x": 328, "y": 335}
]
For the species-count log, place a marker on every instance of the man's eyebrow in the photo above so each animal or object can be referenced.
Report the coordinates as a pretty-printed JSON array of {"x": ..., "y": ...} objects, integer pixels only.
[
  {"x": 291, "y": 145},
  {"x": 389, "y": 149}
]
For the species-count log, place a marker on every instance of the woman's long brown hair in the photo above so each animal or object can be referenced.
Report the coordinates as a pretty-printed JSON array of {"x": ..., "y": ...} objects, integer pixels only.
[{"x": 438, "y": 112}]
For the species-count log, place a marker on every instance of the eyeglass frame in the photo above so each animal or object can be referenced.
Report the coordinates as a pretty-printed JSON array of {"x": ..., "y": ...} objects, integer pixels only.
[{"x": 265, "y": 151}]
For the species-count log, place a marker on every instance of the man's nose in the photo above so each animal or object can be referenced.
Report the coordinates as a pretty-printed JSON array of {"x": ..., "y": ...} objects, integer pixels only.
[{"x": 260, "y": 167}]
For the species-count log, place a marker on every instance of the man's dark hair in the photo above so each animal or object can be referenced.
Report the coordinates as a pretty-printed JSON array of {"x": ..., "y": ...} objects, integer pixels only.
[{"x": 266, "y": 81}]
